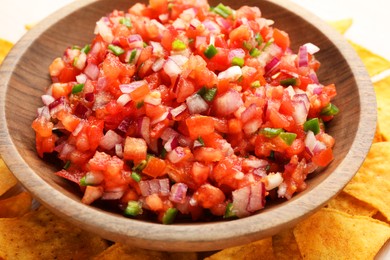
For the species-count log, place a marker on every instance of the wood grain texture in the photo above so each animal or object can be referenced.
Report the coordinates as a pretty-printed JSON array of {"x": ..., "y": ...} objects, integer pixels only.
[{"x": 24, "y": 77}]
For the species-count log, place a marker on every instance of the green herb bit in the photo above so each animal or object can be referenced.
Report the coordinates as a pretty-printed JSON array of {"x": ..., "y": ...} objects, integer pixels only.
[
  {"x": 86, "y": 48},
  {"x": 288, "y": 82},
  {"x": 116, "y": 49},
  {"x": 210, "y": 94},
  {"x": 268, "y": 43},
  {"x": 126, "y": 21},
  {"x": 191, "y": 40},
  {"x": 200, "y": 140},
  {"x": 145, "y": 44},
  {"x": 259, "y": 39},
  {"x": 255, "y": 84},
  {"x": 178, "y": 45},
  {"x": 272, "y": 155},
  {"x": 222, "y": 10},
  {"x": 271, "y": 132},
  {"x": 76, "y": 47},
  {"x": 67, "y": 165},
  {"x": 330, "y": 110},
  {"x": 229, "y": 211},
  {"x": 211, "y": 51},
  {"x": 136, "y": 176},
  {"x": 140, "y": 166},
  {"x": 255, "y": 52},
  {"x": 163, "y": 153},
  {"x": 134, "y": 208},
  {"x": 238, "y": 61},
  {"x": 312, "y": 125},
  {"x": 202, "y": 91},
  {"x": 169, "y": 216},
  {"x": 77, "y": 88},
  {"x": 288, "y": 138},
  {"x": 247, "y": 45}
]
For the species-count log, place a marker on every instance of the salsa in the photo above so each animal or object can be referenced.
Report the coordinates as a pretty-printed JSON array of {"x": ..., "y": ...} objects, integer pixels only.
[{"x": 182, "y": 110}]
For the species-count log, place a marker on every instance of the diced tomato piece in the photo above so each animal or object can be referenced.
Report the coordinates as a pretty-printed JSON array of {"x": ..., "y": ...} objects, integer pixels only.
[
  {"x": 184, "y": 89},
  {"x": 155, "y": 167},
  {"x": 42, "y": 127},
  {"x": 45, "y": 144},
  {"x": 200, "y": 172},
  {"x": 208, "y": 196},
  {"x": 61, "y": 90},
  {"x": 199, "y": 126},
  {"x": 207, "y": 154},
  {"x": 139, "y": 93},
  {"x": 324, "y": 157},
  {"x": 154, "y": 202},
  {"x": 281, "y": 39},
  {"x": 135, "y": 149}
]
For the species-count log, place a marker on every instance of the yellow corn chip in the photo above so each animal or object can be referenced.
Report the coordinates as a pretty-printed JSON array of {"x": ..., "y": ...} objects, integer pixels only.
[
  {"x": 15, "y": 206},
  {"x": 371, "y": 183},
  {"x": 374, "y": 63},
  {"x": 119, "y": 251},
  {"x": 378, "y": 137},
  {"x": 5, "y": 47},
  {"x": 42, "y": 235},
  {"x": 341, "y": 25},
  {"x": 261, "y": 249},
  {"x": 351, "y": 205},
  {"x": 332, "y": 234},
  {"x": 285, "y": 246},
  {"x": 7, "y": 179},
  {"x": 382, "y": 91}
]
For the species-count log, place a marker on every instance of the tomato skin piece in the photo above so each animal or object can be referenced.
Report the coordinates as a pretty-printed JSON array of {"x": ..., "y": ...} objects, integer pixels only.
[{"x": 135, "y": 149}]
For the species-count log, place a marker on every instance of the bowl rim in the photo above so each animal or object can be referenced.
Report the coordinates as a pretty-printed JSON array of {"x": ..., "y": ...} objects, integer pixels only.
[{"x": 242, "y": 230}]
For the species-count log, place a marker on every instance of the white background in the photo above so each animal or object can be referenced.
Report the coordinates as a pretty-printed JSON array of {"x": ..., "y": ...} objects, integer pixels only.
[{"x": 371, "y": 22}]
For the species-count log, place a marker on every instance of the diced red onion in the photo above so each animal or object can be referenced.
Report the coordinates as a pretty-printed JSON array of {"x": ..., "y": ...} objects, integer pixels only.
[
  {"x": 313, "y": 77},
  {"x": 135, "y": 41},
  {"x": 300, "y": 112},
  {"x": 144, "y": 128},
  {"x": 109, "y": 140},
  {"x": 66, "y": 150},
  {"x": 180, "y": 60},
  {"x": 163, "y": 17},
  {"x": 57, "y": 105},
  {"x": 123, "y": 99},
  {"x": 176, "y": 155},
  {"x": 47, "y": 99},
  {"x": 178, "y": 192},
  {"x": 188, "y": 14},
  {"x": 273, "y": 180},
  {"x": 119, "y": 150},
  {"x": 196, "y": 104},
  {"x": 168, "y": 133},
  {"x": 233, "y": 73},
  {"x": 255, "y": 163},
  {"x": 228, "y": 102},
  {"x": 172, "y": 69},
  {"x": 252, "y": 126},
  {"x": 303, "y": 58},
  {"x": 92, "y": 71},
  {"x": 239, "y": 53},
  {"x": 194, "y": 23},
  {"x": 112, "y": 195},
  {"x": 171, "y": 144},
  {"x": 79, "y": 63},
  {"x": 81, "y": 111},
  {"x": 94, "y": 178},
  {"x": 44, "y": 112},
  {"x": 81, "y": 78},
  {"x": 184, "y": 141},
  {"x": 200, "y": 40},
  {"x": 178, "y": 110},
  {"x": 128, "y": 88},
  {"x": 311, "y": 48},
  {"x": 158, "y": 24},
  {"x": 256, "y": 197},
  {"x": 272, "y": 66},
  {"x": 124, "y": 125},
  {"x": 223, "y": 23},
  {"x": 318, "y": 90},
  {"x": 248, "y": 113},
  {"x": 319, "y": 147},
  {"x": 101, "y": 83},
  {"x": 179, "y": 24},
  {"x": 158, "y": 64},
  {"x": 78, "y": 128},
  {"x": 135, "y": 59},
  {"x": 155, "y": 186},
  {"x": 240, "y": 201},
  {"x": 310, "y": 142},
  {"x": 160, "y": 118},
  {"x": 104, "y": 31},
  {"x": 157, "y": 49},
  {"x": 89, "y": 97},
  {"x": 212, "y": 26},
  {"x": 304, "y": 98}
]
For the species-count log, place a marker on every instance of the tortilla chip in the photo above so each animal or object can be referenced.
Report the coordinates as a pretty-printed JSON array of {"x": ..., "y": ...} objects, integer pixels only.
[
  {"x": 285, "y": 246},
  {"x": 378, "y": 137},
  {"x": 7, "y": 179},
  {"x": 341, "y": 25},
  {"x": 371, "y": 183},
  {"x": 42, "y": 235},
  {"x": 119, "y": 251},
  {"x": 374, "y": 63},
  {"x": 351, "y": 205},
  {"x": 332, "y": 234},
  {"x": 15, "y": 206},
  {"x": 382, "y": 91},
  {"x": 261, "y": 249},
  {"x": 5, "y": 47}
]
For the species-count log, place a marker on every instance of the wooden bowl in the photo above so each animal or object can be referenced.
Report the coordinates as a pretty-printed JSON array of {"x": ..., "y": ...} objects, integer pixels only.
[{"x": 24, "y": 76}]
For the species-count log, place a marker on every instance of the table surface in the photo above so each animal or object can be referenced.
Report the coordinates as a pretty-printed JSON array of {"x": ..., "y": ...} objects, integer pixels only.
[{"x": 369, "y": 28}]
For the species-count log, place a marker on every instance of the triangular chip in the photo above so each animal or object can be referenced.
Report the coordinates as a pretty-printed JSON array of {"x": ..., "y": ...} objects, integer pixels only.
[
  {"x": 285, "y": 246},
  {"x": 261, "y": 249},
  {"x": 7, "y": 179},
  {"x": 15, "y": 206},
  {"x": 351, "y": 205},
  {"x": 374, "y": 63},
  {"x": 371, "y": 183},
  {"x": 378, "y": 137},
  {"x": 5, "y": 47},
  {"x": 332, "y": 234},
  {"x": 382, "y": 91},
  {"x": 42, "y": 235},
  {"x": 122, "y": 252},
  {"x": 341, "y": 25}
]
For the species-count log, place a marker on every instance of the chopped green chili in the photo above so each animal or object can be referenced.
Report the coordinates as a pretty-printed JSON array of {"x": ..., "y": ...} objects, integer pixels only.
[
  {"x": 210, "y": 94},
  {"x": 200, "y": 140},
  {"x": 288, "y": 138},
  {"x": 229, "y": 211},
  {"x": 211, "y": 51},
  {"x": 255, "y": 84},
  {"x": 329, "y": 110},
  {"x": 83, "y": 182},
  {"x": 132, "y": 55},
  {"x": 133, "y": 208},
  {"x": 222, "y": 10},
  {"x": 136, "y": 176},
  {"x": 77, "y": 88},
  {"x": 178, "y": 45},
  {"x": 140, "y": 166},
  {"x": 312, "y": 125},
  {"x": 169, "y": 216},
  {"x": 238, "y": 61},
  {"x": 86, "y": 48},
  {"x": 126, "y": 21},
  {"x": 259, "y": 39},
  {"x": 254, "y": 52},
  {"x": 116, "y": 49},
  {"x": 140, "y": 104},
  {"x": 67, "y": 165},
  {"x": 288, "y": 82},
  {"x": 271, "y": 132}
]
